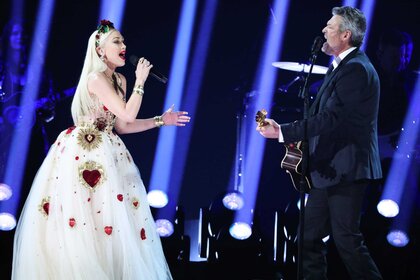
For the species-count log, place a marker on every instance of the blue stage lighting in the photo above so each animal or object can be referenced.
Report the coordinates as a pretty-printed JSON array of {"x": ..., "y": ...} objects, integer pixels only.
[
  {"x": 7, "y": 221},
  {"x": 113, "y": 11},
  {"x": 164, "y": 227},
  {"x": 240, "y": 230},
  {"x": 24, "y": 116},
  {"x": 233, "y": 201},
  {"x": 298, "y": 202},
  {"x": 157, "y": 198},
  {"x": 161, "y": 172},
  {"x": 265, "y": 80},
  {"x": 5, "y": 192},
  {"x": 388, "y": 208},
  {"x": 398, "y": 238}
]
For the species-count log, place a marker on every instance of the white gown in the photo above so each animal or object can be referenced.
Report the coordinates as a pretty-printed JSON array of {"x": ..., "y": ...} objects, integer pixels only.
[{"x": 87, "y": 215}]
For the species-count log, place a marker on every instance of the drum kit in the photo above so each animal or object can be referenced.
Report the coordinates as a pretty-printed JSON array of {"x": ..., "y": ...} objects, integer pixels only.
[{"x": 300, "y": 68}]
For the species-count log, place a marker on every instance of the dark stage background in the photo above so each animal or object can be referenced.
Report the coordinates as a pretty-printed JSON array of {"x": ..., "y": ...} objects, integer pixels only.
[{"x": 150, "y": 28}]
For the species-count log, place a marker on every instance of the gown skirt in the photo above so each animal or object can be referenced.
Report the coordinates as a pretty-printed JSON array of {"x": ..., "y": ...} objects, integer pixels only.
[{"x": 87, "y": 215}]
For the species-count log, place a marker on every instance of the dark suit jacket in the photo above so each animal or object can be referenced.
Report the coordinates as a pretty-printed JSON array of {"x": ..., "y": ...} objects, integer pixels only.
[{"x": 342, "y": 125}]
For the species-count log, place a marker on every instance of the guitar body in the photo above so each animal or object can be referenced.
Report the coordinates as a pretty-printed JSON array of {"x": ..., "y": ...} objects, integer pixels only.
[
  {"x": 291, "y": 163},
  {"x": 292, "y": 158}
]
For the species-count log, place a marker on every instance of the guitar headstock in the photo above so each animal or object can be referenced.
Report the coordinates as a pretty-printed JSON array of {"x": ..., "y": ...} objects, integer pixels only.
[{"x": 260, "y": 118}]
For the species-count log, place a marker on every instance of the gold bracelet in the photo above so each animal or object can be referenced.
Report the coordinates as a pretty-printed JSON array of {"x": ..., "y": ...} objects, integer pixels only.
[
  {"x": 158, "y": 121},
  {"x": 139, "y": 90}
]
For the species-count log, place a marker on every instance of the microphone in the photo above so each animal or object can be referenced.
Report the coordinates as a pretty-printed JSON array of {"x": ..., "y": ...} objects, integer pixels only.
[
  {"x": 317, "y": 45},
  {"x": 155, "y": 74}
]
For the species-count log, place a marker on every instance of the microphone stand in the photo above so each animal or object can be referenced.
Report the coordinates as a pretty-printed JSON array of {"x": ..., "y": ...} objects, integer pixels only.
[{"x": 305, "y": 155}]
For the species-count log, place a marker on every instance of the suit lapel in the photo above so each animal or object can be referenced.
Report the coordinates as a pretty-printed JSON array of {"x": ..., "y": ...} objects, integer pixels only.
[{"x": 328, "y": 77}]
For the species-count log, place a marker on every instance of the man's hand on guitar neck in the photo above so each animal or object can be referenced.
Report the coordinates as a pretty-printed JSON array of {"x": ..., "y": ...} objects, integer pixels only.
[{"x": 269, "y": 129}]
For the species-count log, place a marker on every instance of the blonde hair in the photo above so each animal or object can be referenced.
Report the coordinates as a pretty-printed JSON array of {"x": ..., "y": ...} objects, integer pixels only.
[{"x": 83, "y": 103}]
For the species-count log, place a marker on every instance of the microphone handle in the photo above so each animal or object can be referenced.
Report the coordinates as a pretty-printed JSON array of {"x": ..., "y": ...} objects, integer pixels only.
[{"x": 158, "y": 76}]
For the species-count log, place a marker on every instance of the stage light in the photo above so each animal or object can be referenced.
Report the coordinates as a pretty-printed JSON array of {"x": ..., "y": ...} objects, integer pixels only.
[
  {"x": 5, "y": 192},
  {"x": 157, "y": 198},
  {"x": 233, "y": 201},
  {"x": 17, "y": 153},
  {"x": 306, "y": 200},
  {"x": 7, "y": 221},
  {"x": 264, "y": 82},
  {"x": 164, "y": 227},
  {"x": 240, "y": 230},
  {"x": 218, "y": 215},
  {"x": 398, "y": 238},
  {"x": 403, "y": 162},
  {"x": 236, "y": 244},
  {"x": 113, "y": 11},
  {"x": 388, "y": 208},
  {"x": 163, "y": 176}
]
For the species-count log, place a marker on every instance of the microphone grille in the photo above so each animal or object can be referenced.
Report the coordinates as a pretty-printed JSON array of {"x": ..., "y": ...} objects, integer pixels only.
[
  {"x": 317, "y": 45},
  {"x": 134, "y": 59}
]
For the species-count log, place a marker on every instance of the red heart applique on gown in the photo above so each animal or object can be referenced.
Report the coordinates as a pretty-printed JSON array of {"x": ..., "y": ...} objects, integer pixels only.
[
  {"x": 108, "y": 230},
  {"x": 72, "y": 222},
  {"x": 91, "y": 177},
  {"x": 46, "y": 207},
  {"x": 90, "y": 138},
  {"x": 142, "y": 234}
]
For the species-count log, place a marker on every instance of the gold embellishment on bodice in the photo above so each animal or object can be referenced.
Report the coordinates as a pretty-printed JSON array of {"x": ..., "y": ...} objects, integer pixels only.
[
  {"x": 89, "y": 138},
  {"x": 99, "y": 118}
]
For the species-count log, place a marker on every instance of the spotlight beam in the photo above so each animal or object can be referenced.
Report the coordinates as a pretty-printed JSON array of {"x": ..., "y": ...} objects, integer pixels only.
[
  {"x": 403, "y": 160},
  {"x": 264, "y": 82},
  {"x": 192, "y": 94},
  {"x": 160, "y": 178},
  {"x": 17, "y": 155},
  {"x": 113, "y": 11}
]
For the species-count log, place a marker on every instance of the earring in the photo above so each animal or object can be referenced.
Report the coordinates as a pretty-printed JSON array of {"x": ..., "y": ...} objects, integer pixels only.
[{"x": 102, "y": 57}]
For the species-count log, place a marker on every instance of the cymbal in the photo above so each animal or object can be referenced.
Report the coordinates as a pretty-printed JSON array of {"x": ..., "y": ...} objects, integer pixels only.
[{"x": 300, "y": 67}]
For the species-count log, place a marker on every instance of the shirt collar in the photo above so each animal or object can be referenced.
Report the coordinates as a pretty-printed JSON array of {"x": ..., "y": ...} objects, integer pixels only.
[{"x": 341, "y": 56}]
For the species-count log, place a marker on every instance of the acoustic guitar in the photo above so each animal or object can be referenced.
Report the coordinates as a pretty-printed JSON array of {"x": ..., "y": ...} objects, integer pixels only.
[{"x": 292, "y": 159}]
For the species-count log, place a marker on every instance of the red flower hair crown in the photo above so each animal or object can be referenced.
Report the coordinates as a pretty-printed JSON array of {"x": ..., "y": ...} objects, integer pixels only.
[{"x": 104, "y": 27}]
